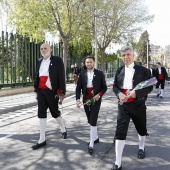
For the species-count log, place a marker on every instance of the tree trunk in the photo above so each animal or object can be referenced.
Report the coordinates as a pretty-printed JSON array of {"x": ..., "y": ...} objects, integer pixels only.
[
  {"x": 102, "y": 51},
  {"x": 65, "y": 53}
]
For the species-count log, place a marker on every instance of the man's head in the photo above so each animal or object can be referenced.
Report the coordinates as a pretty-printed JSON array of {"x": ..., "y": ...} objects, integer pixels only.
[
  {"x": 145, "y": 65},
  {"x": 75, "y": 65},
  {"x": 90, "y": 62},
  {"x": 151, "y": 66},
  {"x": 158, "y": 64},
  {"x": 45, "y": 50},
  {"x": 127, "y": 55}
]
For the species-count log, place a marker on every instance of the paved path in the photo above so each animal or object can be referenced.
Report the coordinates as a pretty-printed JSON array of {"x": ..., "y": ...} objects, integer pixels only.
[{"x": 18, "y": 134}]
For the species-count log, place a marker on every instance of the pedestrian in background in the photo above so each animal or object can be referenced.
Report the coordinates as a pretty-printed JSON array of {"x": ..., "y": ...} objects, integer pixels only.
[
  {"x": 50, "y": 87},
  {"x": 152, "y": 70},
  {"x": 75, "y": 72},
  {"x": 93, "y": 85},
  {"x": 131, "y": 103},
  {"x": 83, "y": 67},
  {"x": 161, "y": 75}
]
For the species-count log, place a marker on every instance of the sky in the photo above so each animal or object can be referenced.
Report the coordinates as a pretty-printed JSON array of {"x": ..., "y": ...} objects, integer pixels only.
[{"x": 159, "y": 29}]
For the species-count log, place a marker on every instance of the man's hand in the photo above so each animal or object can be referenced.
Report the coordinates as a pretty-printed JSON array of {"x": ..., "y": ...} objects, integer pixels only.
[
  {"x": 132, "y": 94},
  {"x": 96, "y": 97},
  {"x": 122, "y": 97},
  {"x": 61, "y": 97},
  {"x": 78, "y": 104}
]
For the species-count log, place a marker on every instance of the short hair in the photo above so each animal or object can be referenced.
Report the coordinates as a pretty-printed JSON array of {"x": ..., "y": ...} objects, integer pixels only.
[
  {"x": 126, "y": 48},
  {"x": 89, "y": 56},
  {"x": 158, "y": 63},
  {"x": 46, "y": 45}
]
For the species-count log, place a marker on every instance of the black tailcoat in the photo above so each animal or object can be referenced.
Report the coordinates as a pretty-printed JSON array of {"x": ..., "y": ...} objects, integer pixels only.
[
  {"x": 163, "y": 72},
  {"x": 99, "y": 83},
  {"x": 56, "y": 74},
  {"x": 141, "y": 73}
]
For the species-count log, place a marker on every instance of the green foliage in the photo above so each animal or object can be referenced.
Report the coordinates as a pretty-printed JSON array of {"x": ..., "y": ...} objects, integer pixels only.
[
  {"x": 142, "y": 48},
  {"x": 109, "y": 58}
]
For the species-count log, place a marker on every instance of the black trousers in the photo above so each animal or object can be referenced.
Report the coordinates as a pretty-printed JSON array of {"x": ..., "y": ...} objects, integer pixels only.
[
  {"x": 92, "y": 111},
  {"x": 127, "y": 111},
  {"x": 47, "y": 99},
  {"x": 160, "y": 82}
]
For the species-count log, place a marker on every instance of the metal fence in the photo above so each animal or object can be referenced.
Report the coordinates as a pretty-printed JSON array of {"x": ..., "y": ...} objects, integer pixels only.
[{"x": 18, "y": 56}]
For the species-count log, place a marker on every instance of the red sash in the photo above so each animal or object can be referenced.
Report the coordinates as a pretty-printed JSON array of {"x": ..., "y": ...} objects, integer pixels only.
[
  {"x": 89, "y": 93},
  {"x": 42, "y": 81},
  {"x": 126, "y": 91},
  {"x": 160, "y": 77}
]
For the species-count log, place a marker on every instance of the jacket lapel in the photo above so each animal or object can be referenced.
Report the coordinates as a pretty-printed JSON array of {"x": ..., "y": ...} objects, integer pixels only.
[
  {"x": 94, "y": 76},
  {"x": 85, "y": 76}
]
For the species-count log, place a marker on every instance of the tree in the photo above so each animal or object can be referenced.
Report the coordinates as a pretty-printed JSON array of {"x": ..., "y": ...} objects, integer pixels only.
[
  {"x": 117, "y": 20},
  {"x": 142, "y": 48},
  {"x": 35, "y": 18}
]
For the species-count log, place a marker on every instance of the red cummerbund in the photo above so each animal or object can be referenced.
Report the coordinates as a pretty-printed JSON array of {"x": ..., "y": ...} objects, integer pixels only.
[
  {"x": 89, "y": 93},
  {"x": 42, "y": 81},
  {"x": 126, "y": 91},
  {"x": 160, "y": 77}
]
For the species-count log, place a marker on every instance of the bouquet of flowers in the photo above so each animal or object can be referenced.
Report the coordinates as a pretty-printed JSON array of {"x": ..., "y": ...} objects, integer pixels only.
[
  {"x": 144, "y": 84},
  {"x": 89, "y": 102}
]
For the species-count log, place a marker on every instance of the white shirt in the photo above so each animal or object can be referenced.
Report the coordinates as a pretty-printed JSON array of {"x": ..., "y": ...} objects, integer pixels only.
[
  {"x": 151, "y": 71},
  {"x": 90, "y": 75},
  {"x": 128, "y": 79},
  {"x": 44, "y": 67},
  {"x": 159, "y": 69}
]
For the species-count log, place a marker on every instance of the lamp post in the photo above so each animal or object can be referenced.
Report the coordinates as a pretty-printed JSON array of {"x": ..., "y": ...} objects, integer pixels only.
[
  {"x": 95, "y": 23},
  {"x": 147, "y": 55}
]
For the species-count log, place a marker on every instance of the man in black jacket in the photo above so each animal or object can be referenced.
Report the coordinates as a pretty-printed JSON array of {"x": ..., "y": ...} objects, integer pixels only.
[
  {"x": 50, "y": 87},
  {"x": 153, "y": 71},
  {"x": 75, "y": 72},
  {"x": 131, "y": 103},
  {"x": 161, "y": 75},
  {"x": 93, "y": 85}
]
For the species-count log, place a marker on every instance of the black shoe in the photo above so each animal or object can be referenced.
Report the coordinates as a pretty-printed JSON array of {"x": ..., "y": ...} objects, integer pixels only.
[
  {"x": 96, "y": 141},
  {"x": 115, "y": 167},
  {"x": 90, "y": 150},
  {"x": 141, "y": 153},
  {"x": 38, "y": 145},
  {"x": 161, "y": 97},
  {"x": 64, "y": 135},
  {"x": 158, "y": 95}
]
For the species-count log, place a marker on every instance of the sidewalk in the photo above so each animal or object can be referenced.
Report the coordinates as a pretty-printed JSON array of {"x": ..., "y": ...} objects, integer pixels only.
[{"x": 27, "y": 99}]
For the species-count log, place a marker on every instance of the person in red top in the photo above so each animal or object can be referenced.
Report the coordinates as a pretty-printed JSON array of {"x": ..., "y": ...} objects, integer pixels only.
[
  {"x": 93, "y": 85},
  {"x": 50, "y": 88},
  {"x": 161, "y": 75}
]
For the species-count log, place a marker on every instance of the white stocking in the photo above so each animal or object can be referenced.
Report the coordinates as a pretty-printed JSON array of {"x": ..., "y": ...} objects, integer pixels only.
[
  {"x": 93, "y": 131},
  {"x": 96, "y": 136},
  {"x": 42, "y": 124},
  {"x": 119, "y": 146},
  {"x": 141, "y": 142},
  {"x": 158, "y": 91},
  {"x": 61, "y": 123},
  {"x": 162, "y": 91}
]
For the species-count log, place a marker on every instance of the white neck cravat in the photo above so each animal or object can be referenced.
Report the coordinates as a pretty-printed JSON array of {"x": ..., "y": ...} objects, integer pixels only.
[
  {"x": 128, "y": 79},
  {"x": 44, "y": 67},
  {"x": 90, "y": 75}
]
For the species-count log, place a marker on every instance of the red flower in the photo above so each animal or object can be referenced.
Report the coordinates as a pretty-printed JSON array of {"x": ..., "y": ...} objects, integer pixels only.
[{"x": 58, "y": 91}]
